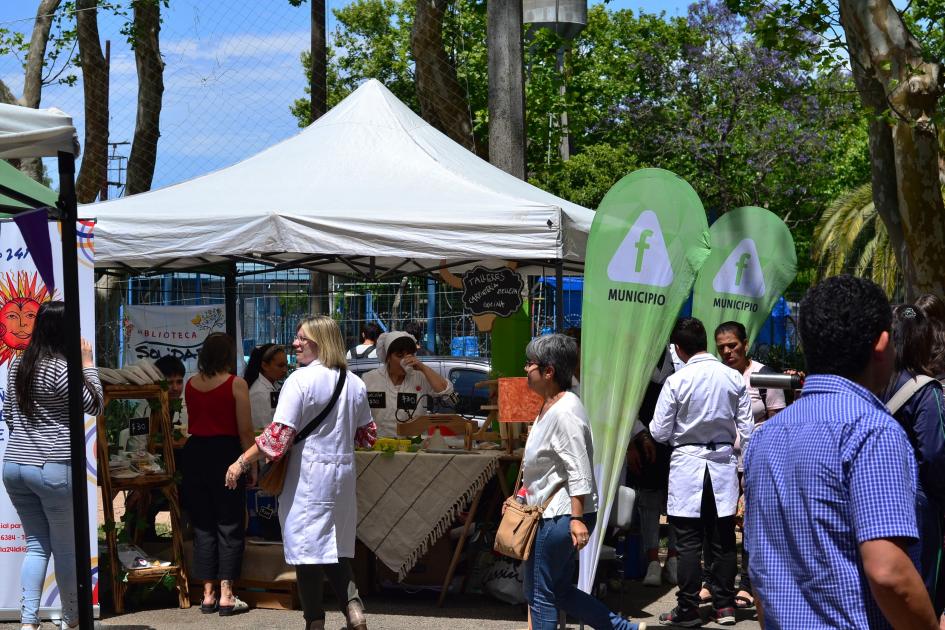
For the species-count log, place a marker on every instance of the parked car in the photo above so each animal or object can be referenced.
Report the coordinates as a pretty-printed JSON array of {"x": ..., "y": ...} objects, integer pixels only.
[{"x": 462, "y": 372}]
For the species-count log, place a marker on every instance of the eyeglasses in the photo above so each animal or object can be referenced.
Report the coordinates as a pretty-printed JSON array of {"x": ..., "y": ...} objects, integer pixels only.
[
  {"x": 302, "y": 339},
  {"x": 528, "y": 364}
]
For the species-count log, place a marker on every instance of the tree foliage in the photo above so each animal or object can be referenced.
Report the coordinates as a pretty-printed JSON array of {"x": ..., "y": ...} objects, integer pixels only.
[
  {"x": 700, "y": 95},
  {"x": 896, "y": 57},
  {"x": 851, "y": 238}
]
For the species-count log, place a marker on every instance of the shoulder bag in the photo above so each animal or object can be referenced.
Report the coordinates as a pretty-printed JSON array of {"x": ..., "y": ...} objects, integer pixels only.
[
  {"x": 274, "y": 479},
  {"x": 519, "y": 525},
  {"x": 907, "y": 391}
]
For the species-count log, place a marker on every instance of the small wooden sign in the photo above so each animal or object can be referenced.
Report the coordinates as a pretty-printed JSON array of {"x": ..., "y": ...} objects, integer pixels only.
[
  {"x": 517, "y": 403},
  {"x": 495, "y": 291}
]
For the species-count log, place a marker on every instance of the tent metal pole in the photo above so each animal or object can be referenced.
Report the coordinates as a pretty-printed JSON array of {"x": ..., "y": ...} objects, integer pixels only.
[
  {"x": 431, "y": 315},
  {"x": 559, "y": 296},
  {"x": 229, "y": 299},
  {"x": 70, "y": 280}
]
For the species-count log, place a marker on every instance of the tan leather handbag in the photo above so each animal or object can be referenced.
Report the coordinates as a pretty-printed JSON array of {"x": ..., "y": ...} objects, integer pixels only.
[{"x": 519, "y": 525}]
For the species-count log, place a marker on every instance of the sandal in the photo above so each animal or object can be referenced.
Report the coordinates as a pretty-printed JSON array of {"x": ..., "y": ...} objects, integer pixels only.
[
  {"x": 209, "y": 608},
  {"x": 705, "y": 599},
  {"x": 744, "y": 602},
  {"x": 239, "y": 606}
]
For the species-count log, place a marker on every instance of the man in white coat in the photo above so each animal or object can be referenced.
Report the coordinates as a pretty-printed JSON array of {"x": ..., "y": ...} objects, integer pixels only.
[{"x": 700, "y": 410}]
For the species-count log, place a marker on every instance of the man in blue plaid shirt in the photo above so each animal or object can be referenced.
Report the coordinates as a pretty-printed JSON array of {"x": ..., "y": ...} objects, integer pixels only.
[{"x": 830, "y": 482}]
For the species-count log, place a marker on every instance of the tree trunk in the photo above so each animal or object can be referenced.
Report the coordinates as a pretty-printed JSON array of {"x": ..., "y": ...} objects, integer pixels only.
[
  {"x": 143, "y": 157},
  {"x": 6, "y": 96},
  {"x": 443, "y": 101},
  {"x": 94, "y": 170},
  {"x": 893, "y": 75},
  {"x": 33, "y": 79}
]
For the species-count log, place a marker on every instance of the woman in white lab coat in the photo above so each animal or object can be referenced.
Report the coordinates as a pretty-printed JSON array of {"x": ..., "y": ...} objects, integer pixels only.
[{"x": 318, "y": 506}]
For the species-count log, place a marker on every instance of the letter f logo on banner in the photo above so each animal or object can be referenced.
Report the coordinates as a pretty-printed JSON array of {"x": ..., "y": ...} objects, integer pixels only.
[
  {"x": 741, "y": 265},
  {"x": 741, "y": 272},
  {"x": 641, "y": 249},
  {"x": 642, "y": 257}
]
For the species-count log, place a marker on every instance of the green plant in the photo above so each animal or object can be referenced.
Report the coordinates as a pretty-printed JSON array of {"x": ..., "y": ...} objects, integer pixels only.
[{"x": 117, "y": 415}]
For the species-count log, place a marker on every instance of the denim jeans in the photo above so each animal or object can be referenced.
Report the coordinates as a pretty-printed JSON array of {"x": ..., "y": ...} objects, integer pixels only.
[
  {"x": 42, "y": 496},
  {"x": 547, "y": 580}
]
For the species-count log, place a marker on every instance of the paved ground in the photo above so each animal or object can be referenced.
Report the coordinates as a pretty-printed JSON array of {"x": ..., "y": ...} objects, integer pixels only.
[{"x": 396, "y": 611}]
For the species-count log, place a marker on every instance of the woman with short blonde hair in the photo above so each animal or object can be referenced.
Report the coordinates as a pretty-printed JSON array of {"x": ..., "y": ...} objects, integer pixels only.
[
  {"x": 318, "y": 510},
  {"x": 325, "y": 333}
]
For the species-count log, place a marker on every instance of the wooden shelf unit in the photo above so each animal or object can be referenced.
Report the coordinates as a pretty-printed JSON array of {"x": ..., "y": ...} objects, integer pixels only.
[{"x": 160, "y": 424}]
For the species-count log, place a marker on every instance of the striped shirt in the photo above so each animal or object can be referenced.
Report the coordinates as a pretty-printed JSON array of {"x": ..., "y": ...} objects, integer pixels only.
[
  {"x": 44, "y": 437},
  {"x": 825, "y": 475}
]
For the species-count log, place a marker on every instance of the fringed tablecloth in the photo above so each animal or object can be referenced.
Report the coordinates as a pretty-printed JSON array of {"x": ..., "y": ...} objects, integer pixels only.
[{"x": 406, "y": 501}]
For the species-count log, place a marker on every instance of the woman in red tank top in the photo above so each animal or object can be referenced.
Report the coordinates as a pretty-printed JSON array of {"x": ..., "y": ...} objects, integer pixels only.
[
  {"x": 220, "y": 426},
  {"x": 212, "y": 412}
]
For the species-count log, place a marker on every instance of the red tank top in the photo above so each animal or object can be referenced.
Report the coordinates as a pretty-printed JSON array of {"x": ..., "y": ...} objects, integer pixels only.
[{"x": 212, "y": 412}]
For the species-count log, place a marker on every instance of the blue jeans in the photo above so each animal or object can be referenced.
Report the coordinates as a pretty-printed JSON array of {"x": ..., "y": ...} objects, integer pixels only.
[
  {"x": 42, "y": 496},
  {"x": 547, "y": 580}
]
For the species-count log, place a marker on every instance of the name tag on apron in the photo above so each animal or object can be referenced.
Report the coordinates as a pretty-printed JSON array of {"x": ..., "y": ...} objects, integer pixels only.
[
  {"x": 273, "y": 399},
  {"x": 377, "y": 400},
  {"x": 407, "y": 402}
]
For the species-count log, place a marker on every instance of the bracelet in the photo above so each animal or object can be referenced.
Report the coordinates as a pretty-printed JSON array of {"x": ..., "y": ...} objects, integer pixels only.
[{"x": 242, "y": 462}]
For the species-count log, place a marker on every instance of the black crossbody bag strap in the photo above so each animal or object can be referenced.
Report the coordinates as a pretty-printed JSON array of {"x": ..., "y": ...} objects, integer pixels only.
[{"x": 317, "y": 420}]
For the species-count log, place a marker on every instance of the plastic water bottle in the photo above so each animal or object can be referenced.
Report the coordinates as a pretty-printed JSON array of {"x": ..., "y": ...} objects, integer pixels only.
[{"x": 520, "y": 495}]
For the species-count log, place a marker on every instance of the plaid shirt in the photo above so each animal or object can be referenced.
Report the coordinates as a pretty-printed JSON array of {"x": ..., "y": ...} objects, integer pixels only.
[{"x": 831, "y": 471}]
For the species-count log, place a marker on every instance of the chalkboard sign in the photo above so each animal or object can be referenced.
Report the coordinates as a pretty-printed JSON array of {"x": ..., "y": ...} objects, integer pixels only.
[
  {"x": 496, "y": 291},
  {"x": 377, "y": 400},
  {"x": 138, "y": 426}
]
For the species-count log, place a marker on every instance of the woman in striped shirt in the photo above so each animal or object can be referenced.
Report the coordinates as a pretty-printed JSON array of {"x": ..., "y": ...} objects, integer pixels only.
[{"x": 36, "y": 464}]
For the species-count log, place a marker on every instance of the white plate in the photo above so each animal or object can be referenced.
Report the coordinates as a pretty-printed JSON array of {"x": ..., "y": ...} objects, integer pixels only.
[
  {"x": 110, "y": 376},
  {"x": 136, "y": 375},
  {"x": 147, "y": 366}
]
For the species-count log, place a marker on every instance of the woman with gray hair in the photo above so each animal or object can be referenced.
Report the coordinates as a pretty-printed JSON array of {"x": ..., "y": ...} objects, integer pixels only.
[{"x": 557, "y": 462}]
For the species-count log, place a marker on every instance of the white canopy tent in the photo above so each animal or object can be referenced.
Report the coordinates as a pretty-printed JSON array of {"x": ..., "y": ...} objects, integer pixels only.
[
  {"x": 369, "y": 189},
  {"x": 28, "y": 133}
]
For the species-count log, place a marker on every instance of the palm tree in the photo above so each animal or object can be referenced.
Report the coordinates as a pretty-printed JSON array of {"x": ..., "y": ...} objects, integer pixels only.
[{"x": 851, "y": 238}]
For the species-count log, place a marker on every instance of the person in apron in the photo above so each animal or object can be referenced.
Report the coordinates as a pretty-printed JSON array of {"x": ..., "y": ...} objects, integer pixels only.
[{"x": 267, "y": 366}]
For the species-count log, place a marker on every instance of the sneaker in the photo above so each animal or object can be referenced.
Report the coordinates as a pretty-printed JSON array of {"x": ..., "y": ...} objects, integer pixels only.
[
  {"x": 638, "y": 626},
  {"x": 653, "y": 570},
  {"x": 669, "y": 570},
  {"x": 724, "y": 616},
  {"x": 677, "y": 617}
]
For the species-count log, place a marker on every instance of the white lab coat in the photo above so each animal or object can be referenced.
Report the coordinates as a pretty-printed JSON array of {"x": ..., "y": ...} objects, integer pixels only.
[
  {"x": 318, "y": 505},
  {"x": 704, "y": 402},
  {"x": 260, "y": 402}
]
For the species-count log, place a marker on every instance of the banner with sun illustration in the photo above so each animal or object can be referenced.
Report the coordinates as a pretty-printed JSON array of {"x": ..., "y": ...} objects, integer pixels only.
[{"x": 22, "y": 292}]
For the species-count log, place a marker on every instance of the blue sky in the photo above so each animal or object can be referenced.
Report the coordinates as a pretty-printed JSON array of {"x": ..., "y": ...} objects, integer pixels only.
[{"x": 232, "y": 72}]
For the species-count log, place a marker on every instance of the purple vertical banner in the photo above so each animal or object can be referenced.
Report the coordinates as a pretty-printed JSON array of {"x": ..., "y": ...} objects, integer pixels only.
[{"x": 34, "y": 226}]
